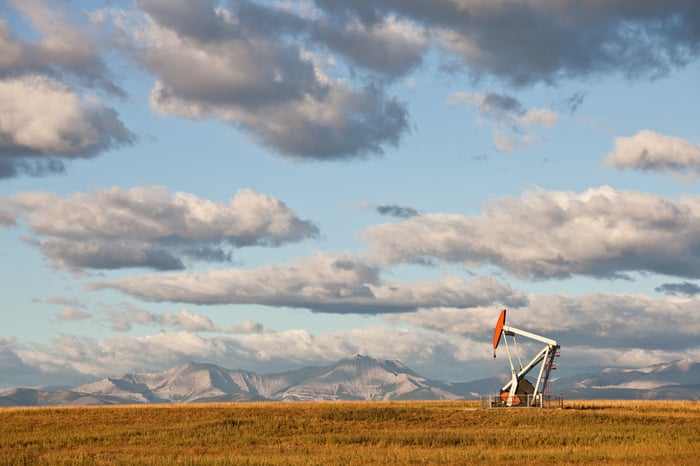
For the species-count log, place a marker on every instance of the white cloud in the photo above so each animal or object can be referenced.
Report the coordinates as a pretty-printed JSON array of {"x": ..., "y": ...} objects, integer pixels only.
[
  {"x": 512, "y": 125},
  {"x": 72, "y": 313},
  {"x": 62, "y": 48},
  {"x": 189, "y": 322},
  {"x": 652, "y": 151},
  {"x": 119, "y": 355},
  {"x": 615, "y": 322},
  {"x": 46, "y": 116},
  {"x": 43, "y": 117},
  {"x": 322, "y": 283},
  {"x": 152, "y": 227},
  {"x": 532, "y": 41},
  {"x": 248, "y": 63},
  {"x": 600, "y": 232},
  {"x": 509, "y": 142},
  {"x": 391, "y": 46},
  {"x": 247, "y": 326},
  {"x": 582, "y": 356},
  {"x": 124, "y": 317},
  {"x": 538, "y": 117},
  {"x": 231, "y": 65},
  {"x": 593, "y": 330},
  {"x": 260, "y": 352}
]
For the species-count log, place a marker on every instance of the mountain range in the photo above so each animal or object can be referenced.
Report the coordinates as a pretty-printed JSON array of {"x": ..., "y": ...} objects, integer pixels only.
[{"x": 355, "y": 378}]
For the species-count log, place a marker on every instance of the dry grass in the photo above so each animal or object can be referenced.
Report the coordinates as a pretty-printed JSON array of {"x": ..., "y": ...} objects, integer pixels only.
[{"x": 587, "y": 432}]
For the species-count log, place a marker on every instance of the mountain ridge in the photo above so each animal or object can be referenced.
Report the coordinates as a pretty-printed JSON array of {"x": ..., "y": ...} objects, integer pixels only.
[{"x": 355, "y": 378}]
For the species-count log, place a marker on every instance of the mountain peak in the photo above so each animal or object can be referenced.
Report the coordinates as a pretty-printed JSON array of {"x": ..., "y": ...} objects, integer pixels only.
[
  {"x": 192, "y": 366},
  {"x": 360, "y": 358},
  {"x": 370, "y": 359},
  {"x": 682, "y": 365},
  {"x": 358, "y": 377}
]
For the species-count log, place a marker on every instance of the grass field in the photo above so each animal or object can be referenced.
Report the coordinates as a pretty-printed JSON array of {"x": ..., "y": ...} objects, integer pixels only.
[{"x": 330, "y": 433}]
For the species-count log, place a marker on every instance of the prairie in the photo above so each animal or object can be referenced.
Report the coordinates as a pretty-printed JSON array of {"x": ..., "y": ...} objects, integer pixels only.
[{"x": 322, "y": 433}]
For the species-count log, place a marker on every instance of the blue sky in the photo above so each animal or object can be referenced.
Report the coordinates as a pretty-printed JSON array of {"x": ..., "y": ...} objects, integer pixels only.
[{"x": 266, "y": 185}]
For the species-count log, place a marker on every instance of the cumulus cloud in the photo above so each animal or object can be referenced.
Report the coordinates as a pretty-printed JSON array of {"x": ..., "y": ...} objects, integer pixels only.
[
  {"x": 73, "y": 309},
  {"x": 261, "y": 67},
  {"x": 513, "y": 125},
  {"x": 249, "y": 65},
  {"x": 63, "y": 49},
  {"x": 151, "y": 227},
  {"x": 322, "y": 283},
  {"x": 389, "y": 47},
  {"x": 310, "y": 80},
  {"x": 247, "y": 326},
  {"x": 188, "y": 321},
  {"x": 600, "y": 232},
  {"x": 651, "y": 151},
  {"x": 47, "y": 119},
  {"x": 124, "y": 319},
  {"x": 44, "y": 118},
  {"x": 525, "y": 42}
]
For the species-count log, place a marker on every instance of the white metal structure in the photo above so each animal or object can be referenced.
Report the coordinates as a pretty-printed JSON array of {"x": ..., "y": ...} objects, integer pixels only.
[{"x": 518, "y": 386}]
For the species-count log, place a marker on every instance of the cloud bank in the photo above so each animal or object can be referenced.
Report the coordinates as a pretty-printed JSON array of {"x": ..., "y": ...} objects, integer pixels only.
[
  {"x": 598, "y": 330},
  {"x": 313, "y": 80}
]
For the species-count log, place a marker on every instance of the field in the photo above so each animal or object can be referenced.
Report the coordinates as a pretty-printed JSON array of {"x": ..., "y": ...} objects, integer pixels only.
[{"x": 348, "y": 433}]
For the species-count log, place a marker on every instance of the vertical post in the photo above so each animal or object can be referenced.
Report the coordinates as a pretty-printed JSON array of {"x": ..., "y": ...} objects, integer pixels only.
[{"x": 539, "y": 376}]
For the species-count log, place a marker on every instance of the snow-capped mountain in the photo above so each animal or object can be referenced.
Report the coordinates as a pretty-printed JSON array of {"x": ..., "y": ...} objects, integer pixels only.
[
  {"x": 355, "y": 378},
  {"x": 361, "y": 378},
  {"x": 673, "y": 380}
]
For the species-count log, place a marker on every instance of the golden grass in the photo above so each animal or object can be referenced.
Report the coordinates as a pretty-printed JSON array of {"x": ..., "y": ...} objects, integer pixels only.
[{"x": 323, "y": 433}]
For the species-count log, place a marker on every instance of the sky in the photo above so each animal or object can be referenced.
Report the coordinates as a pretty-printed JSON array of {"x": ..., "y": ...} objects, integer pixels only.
[{"x": 266, "y": 185}]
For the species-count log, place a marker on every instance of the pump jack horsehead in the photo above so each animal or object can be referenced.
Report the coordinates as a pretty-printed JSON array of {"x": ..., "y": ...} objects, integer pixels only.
[{"x": 519, "y": 391}]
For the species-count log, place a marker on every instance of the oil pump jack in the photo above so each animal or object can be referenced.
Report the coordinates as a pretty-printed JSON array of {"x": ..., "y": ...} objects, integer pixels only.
[{"x": 519, "y": 391}]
